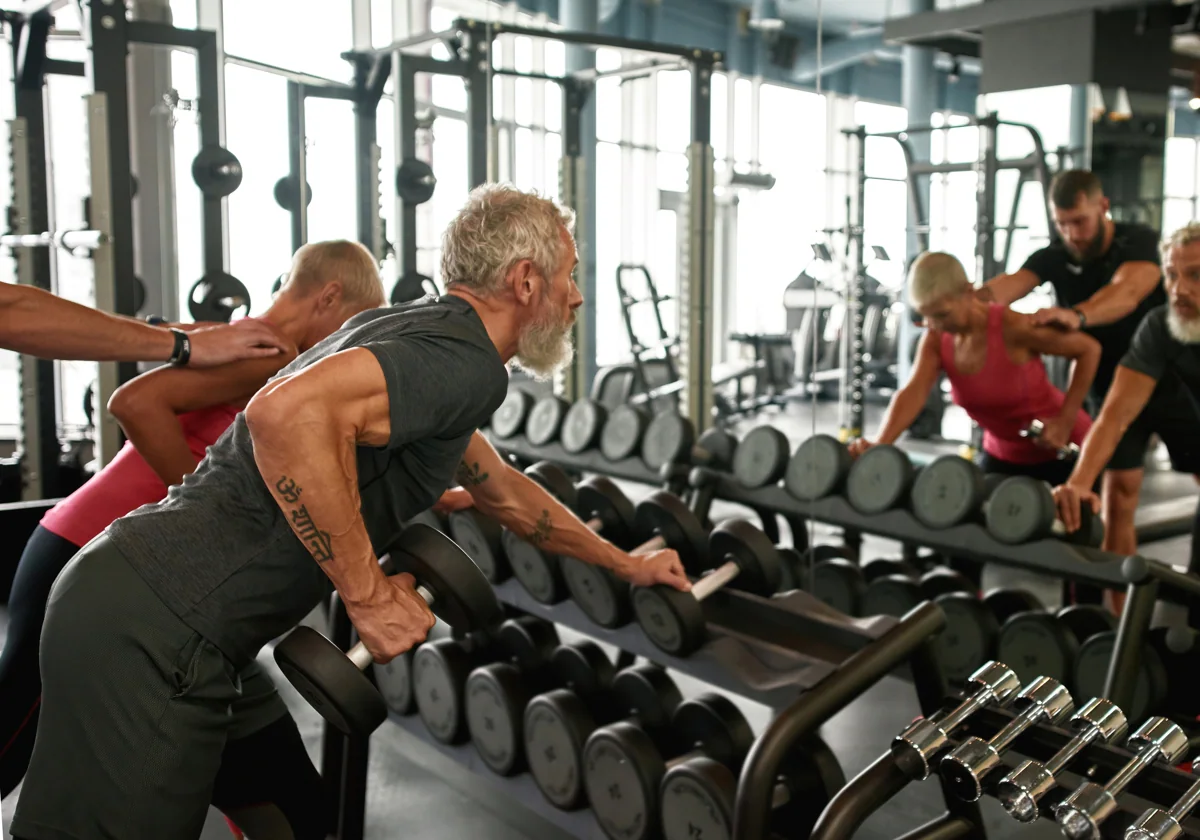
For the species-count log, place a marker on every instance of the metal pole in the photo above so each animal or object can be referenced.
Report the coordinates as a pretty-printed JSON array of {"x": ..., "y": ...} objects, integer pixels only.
[
  {"x": 853, "y": 426},
  {"x": 696, "y": 277},
  {"x": 210, "y": 67},
  {"x": 985, "y": 222},
  {"x": 297, "y": 160},
  {"x": 479, "y": 104},
  {"x": 573, "y": 382},
  {"x": 1081, "y": 129},
  {"x": 1120, "y": 683},
  {"x": 404, "y": 79}
]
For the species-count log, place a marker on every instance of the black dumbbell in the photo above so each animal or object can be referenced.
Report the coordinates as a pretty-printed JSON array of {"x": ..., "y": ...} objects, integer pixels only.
[
  {"x": 333, "y": 682},
  {"x": 482, "y": 538},
  {"x": 1152, "y": 686},
  {"x": 496, "y": 695},
  {"x": 973, "y": 627},
  {"x": 622, "y": 432},
  {"x": 582, "y": 426},
  {"x": 1034, "y": 432},
  {"x": 394, "y": 679},
  {"x": 1021, "y": 509},
  {"x": 440, "y": 670},
  {"x": 892, "y": 591},
  {"x": 662, "y": 520},
  {"x": 559, "y": 723},
  {"x": 697, "y": 795},
  {"x": 948, "y": 491},
  {"x": 1038, "y": 643},
  {"x": 546, "y": 419},
  {"x": 880, "y": 479},
  {"x": 538, "y": 571},
  {"x": 670, "y": 439},
  {"x": 509, "y": 419},
  {"x": 761, "y": 458},
  {"x": 818, "y": 468},
  {"x": 624, "y": 766},
  {"x": 674, "y": 620},
  {"x": 836, "y": 578},
  {"x": 429, "y": 517}
]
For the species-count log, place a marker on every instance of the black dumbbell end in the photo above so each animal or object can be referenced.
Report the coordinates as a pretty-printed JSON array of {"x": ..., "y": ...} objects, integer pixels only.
[
  {"x": 330, "y": 682},
  {"x": 556, "y": 727},
  {"x": 623, "y": 771},
  {"x": 1135, "y": 569},
  {"x": 672, "y": 620},
  {"x": 697, "y": 799},
  {"x": 494, "y": 699}
]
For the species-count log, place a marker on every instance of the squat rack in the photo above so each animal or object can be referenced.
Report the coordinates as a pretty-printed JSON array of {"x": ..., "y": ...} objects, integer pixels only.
[
  {"x": 108, "y": 35},
  {"x": 472, "y": 48}
]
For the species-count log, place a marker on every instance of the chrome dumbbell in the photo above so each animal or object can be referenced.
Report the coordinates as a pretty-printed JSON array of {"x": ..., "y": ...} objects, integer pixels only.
[
  {"x": 916, "y": 747},
  {"x": 1022, "y": 789},
  {"x": 1042, "y": 701},
  {"x": 1080, "y": 814},
  {"x": 1157, "y": 824}
]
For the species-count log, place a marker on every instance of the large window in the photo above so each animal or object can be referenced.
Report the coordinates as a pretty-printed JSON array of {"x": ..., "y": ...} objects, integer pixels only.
[
  {"x": 885, "y": 214},
  {"x": 1180, "y": 184},
  {"x": 310, "y": 36}
]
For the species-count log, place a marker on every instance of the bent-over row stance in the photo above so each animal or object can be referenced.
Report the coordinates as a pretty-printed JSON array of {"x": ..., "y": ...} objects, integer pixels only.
[
  {"x": 991, "y": 355},
  {"x": 170, "y": 416},
  {"x": 358, "y": 434}
]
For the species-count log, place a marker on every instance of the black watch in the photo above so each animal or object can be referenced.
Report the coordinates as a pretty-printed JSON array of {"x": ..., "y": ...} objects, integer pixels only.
[
  {"x": 1082, "y": 317},
  {"x": 183, "y": 348}
]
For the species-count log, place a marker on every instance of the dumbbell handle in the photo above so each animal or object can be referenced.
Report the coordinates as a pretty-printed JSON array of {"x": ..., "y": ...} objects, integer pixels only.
[
  {"x": 964, "y": 710},
  {"x": 1033, "y": 714},
  {"x": 1147, "y": 756},
  {"x": 1035, "y": 431},
  {"x": 361, "y": 657},
  {"x": 655, "y": 543},
  {"x": 1156, "y": 816},
  {"x": 1073, "y": 748},
  {"x": 714, "y": 580}
]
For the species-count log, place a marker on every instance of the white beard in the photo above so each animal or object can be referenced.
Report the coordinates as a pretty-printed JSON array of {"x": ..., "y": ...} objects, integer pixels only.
[
  {"x": 544, "y": 349},
  {"x": 1183, "y": 330}
]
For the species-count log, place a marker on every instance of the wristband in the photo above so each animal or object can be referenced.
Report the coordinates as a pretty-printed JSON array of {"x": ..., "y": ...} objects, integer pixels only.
[
  {"x": 183, "y": 349},
  {"x": 1082, "y": 317}
]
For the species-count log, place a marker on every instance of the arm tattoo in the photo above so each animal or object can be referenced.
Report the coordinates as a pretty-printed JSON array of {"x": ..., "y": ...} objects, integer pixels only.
[
  {"x": 318, "y": 542},
  {"x": 541, "y": 530},
  {"x": 469, "y": 475}
]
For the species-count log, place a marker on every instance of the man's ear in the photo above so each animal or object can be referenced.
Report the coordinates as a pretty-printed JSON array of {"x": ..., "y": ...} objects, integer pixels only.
[
  {"x": 1105, "y": 204},
  {"x": 331, "y": 295},
  {"x": 522, "y": 279}
]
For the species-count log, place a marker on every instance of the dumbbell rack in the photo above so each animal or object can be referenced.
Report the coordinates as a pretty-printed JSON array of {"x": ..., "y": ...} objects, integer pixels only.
[{"x": 1158, "y": 786}]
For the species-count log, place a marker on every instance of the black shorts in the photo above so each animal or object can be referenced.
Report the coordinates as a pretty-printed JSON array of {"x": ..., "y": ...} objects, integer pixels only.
[
  {"x": 1053, "y": 472},
  {"x": 1171, "y": 414}
]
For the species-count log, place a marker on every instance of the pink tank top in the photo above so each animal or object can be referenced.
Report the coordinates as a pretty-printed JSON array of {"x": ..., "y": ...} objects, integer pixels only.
[
  {"x": 1004, "y": 397},
  {"x": 128, "y": 482}
]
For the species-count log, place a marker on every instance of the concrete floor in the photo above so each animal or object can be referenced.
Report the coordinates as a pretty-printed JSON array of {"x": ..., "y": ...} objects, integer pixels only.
[{"x": 417, "y": 792}]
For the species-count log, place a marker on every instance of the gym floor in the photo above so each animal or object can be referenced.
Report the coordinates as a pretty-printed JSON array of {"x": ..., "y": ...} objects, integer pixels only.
[{"x": 417, "y": 792}]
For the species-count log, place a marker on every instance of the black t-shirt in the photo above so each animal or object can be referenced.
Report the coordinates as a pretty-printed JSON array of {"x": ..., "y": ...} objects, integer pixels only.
[
  {"x": 1075, "y": 282},
  {"x": 1159, "y": 355}
]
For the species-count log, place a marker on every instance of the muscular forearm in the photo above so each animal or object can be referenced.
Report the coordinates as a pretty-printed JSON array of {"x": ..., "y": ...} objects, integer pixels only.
[
  {"x": 905, "y": 407},
  {"x": 1112, "y": 303},
  {"x": 1098, "y": 447},
  {"x": 37, "y": 323},
  {"x": 309, "y": 467},
  {"x": 1083, "y": 371},
  {"x": 156, "y": 434}
]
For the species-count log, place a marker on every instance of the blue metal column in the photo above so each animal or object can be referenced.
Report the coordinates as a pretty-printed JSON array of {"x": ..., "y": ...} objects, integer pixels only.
[
  {"x": 584, "y": 16},
  {"x": 918, "y": 94},
  {"x": 1081, "y": 129}
]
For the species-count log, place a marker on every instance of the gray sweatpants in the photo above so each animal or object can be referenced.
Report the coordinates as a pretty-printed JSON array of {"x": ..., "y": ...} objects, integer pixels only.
[{"x": 136, "y": 710}]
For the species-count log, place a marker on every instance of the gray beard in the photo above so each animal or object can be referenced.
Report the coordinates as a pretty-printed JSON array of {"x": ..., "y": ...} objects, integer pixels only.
[
  {"x": 544, "y": 349},
  {"x": 1185, "y": 331}
]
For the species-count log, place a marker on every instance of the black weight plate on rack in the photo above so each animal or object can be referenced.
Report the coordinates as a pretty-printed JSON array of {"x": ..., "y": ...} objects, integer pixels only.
[
  {"x": 818, "y": 468},
  {"x": 394, "y": 681},
  {"x": 539, "y": 572},
  {"x": 879, "y": 480},
  {"x": 554, "y": 481},
  {"x": 439, "y": 672},
  {"x": 623, "y": 795},
  {"x": 761, "y": 457},
  {"x": 546, "y": 419},
  {"x": 664, "y": 514},
  {"x": 479, "y": 536},
  {"x": 1091, "y": 671},
  {"x": 509, "y": 419},
  {"x": 839, "y": 583},
  {"x": 599, "y": 594},
  {"x": 949, "y": 490},
  {"x": 1020, "y": 509},
  {"x": 969, "y": 638},
  {"x": 887, "y": 567},
  {"x": 1036, "y": 644},
  {"x": 667, "y": 440},
  {"x": 494, "y": 702},
  {"x": 721, "y": 448},
  {"x": 557, "y": 725},
  {"x": 622, "y": 433},
  {"x": 582, "y": 426},
  {"x": 891, "y": 595},
  {"x": 1086, "y": 620},
  {"x": 942, "y": 581}
]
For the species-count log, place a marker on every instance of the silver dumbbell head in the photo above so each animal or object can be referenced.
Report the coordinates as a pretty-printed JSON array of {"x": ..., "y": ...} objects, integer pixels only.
[
  {"x": 1080, "y": 814},
  {"x": 1154, "y": 824},
  {"x": 1162, "y": 736},
  {"x": 916, "y": 747},
  {"x": 966, "y": 767}
]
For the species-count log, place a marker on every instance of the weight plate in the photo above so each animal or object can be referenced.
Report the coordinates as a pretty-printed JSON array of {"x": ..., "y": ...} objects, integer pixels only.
[
  {"x": 479, "y": 536},
  {"x": 411, "y": 286},
  {"x": 721, "y": 448},
  {"x": 969, "y": 637},
  {"x": 891, "y": 595},
  {"x": 545, "y": 420},
  {"x": 494, "y": 701},
  {"x": 793, "y": 571},
  {"x": 537, "y": 571},
  {"x": 621, "y": 791},
  {"x": 582, "y": 426},
  {"x": 697, "y": 801},
  {"x": 879, "y": 479},
  {"x": 1036, "y": 644},
  {"x": 394, "y": 681},
  {"x": 888, "y": 566},
  {"x": 1086, "y": 620},
  {"x": 839, "y": 583},
  {"x": 622, "y": 433},
  {"x": 818, "y": 468},
  {"x": 415, "y": 181},
  {"x": 554, "y": 481},
  {"x": 600, "y": 498},
  {"x": 671, "y": 619},
  {"x": 752, "y": 550},
  {"x": 1005, "y": 603},
  {"x": 761, "y": 457},
  {"x": 948, "y": 491},
  {"x": 285, "y": 192},
  {"x": 597, "y": 592},
  {"x": 216, "y": 171},
  {"x": 428, "y": 517},
  {"x": 1091, "y": 671},
  {"x": 667, "y": 440},
  {"x": 509, "y": 418},
  {"x": 557, "y": 725},
  {"x": 218, "y": 296},
  {"x": 330, "y": 682},
  {"x": 663, "y": 514},
  {"x": 463, "y": 598},
  {"x": 439, "y": 671},
  {"x": 1020, "y": 509},
  {"x": 583, "y": 667},
  {"x": 943, "y": 581}
]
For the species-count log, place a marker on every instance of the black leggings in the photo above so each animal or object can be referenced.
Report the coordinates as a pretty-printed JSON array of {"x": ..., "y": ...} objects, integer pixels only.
[
  {"x": 1053, "y": 472},
  {"x": 269, "y": 768}
]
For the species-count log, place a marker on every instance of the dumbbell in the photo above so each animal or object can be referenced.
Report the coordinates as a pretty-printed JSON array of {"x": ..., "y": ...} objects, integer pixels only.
[
  {"x": 973, "y": 626},
  {"x": 818, "y": 468},
  {"x": 622, "y": 432},
  {"x": 394, "y": 679},
  {"x": 538, "y": 571},
  {"x": 482, "y": 538},
  {"x": 674, "y": 620},
  {"x": 1081, "y": 814},
  {"x": 546, "y": 419},
  {"x": 559, "y": 723},
  {"x": 880, "y": 479},
  {"x": 624, "y": 766},
  {"x": 1022, "y": 509},
  {"x": 582, "y": 426},
  {"x": 662, "y": 519},
  {"x": 967, "y": 766},
  {"x": 948, "y": 491},
  {"x": 1038, "y": 643},
  {"x": 835, "y": 578},
  {"x": 761, "y": 458},
  {"x": 697, "y": 795},
  {"x": 924, "y": 739},
  {"x": 509, "y": 419},
  {"x": 496, "y": 695},
  {"x": 333, "y": 682},
  {"x": 441, "y": 669},
  {"x": 1034, "y": 432},
  {"x": 1020, "y": 791},
  {"x": 670, "y": 439},
  {"x": 1152, "y": 684},
  {"x": 893, "y": 587},
  {"x": 1157, "y": 824}
]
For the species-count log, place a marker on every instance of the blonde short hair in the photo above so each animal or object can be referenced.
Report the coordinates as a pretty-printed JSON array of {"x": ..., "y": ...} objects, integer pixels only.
[
  {"x": 343, "y": 261},
  {"x": 498, "y": 227},
  {"x": 935, "y": 275},
  {"x": 1181, "y": 238}
]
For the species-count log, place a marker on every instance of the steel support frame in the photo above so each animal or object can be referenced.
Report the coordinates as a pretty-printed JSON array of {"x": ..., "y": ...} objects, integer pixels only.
[
  {"x": 696, "y": 277},
  {"x": 572, "y": 189}
]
